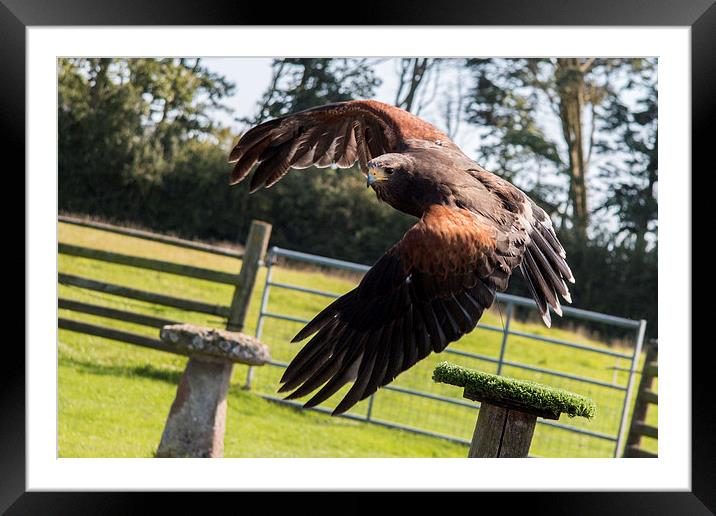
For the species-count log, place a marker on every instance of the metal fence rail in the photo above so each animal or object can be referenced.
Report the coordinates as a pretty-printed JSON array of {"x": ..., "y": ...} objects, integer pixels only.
[{"x": 619, "y": 394}]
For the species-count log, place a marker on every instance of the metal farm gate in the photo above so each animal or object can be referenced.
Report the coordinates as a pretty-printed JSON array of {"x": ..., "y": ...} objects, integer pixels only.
[{"x": 500, "y": 344}]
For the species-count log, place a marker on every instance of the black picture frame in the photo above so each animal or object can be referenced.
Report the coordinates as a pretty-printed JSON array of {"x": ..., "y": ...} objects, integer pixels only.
[{"x": 699, "y": 15}]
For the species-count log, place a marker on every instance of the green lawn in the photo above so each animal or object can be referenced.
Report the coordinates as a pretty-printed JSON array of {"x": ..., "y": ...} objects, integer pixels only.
[{"x": 114, "y": 397}]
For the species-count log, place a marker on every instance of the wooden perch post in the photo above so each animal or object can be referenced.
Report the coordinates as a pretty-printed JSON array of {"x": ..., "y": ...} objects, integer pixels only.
[
  {"x": 501, "y": 431},
  {"x": 197, "y": 419},
  {"x": 509, "y": 409}
]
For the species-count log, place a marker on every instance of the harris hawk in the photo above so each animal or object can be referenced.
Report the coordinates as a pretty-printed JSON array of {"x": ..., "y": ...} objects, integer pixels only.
[{"x": 431, "y": 287}]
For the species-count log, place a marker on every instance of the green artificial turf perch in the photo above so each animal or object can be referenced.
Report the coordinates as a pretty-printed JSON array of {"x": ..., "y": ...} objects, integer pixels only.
[{"x": 495, "y": 389}]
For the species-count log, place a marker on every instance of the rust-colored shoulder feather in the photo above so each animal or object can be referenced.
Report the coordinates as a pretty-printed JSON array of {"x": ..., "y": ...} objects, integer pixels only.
[{"x": 446, "y": 241}]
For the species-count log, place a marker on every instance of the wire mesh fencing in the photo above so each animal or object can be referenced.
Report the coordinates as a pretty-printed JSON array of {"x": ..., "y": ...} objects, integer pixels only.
[{"x": 562, "y": 356}]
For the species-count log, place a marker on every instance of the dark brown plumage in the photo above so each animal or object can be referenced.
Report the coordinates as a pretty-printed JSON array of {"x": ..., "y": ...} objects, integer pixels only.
[{"x": 430, "y": 288}]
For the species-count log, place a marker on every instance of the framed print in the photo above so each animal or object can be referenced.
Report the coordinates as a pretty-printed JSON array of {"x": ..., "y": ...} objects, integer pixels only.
[{"x": 161, "y": 302}]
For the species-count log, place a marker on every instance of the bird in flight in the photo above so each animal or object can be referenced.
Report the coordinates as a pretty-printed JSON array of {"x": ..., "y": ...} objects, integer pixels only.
[{"x": 432, "y": 286}]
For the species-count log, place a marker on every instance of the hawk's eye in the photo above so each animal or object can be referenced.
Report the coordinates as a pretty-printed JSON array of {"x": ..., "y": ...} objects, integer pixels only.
[{"x": 389, "y": 170}]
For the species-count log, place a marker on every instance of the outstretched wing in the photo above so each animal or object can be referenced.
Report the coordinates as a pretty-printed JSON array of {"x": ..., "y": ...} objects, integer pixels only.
[
  {"x": 339, "y": 134},
  {"x": 428, "y": 290}
]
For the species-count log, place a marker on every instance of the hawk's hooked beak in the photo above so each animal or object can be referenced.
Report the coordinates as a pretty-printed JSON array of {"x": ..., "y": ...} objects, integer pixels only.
[{"x": 375, "y": 175}]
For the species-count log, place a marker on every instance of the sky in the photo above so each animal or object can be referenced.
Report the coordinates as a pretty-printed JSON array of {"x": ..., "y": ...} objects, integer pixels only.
[{"x": 251, "y": 76}]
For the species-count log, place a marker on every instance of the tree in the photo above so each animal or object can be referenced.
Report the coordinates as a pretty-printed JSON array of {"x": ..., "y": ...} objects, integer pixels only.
[
  {"x": 126, "y": 122},
  {"x": 511, "y": 100},
  {"x": 571, "y": 86},
  {"x": 631, "y": 184},
  {"x": 180, "y": 96}
]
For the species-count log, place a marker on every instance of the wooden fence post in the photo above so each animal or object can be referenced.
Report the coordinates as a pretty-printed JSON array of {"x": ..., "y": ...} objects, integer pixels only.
[
  {"x": 196, "y": 423},
  {"x": 254, "y": 254}
]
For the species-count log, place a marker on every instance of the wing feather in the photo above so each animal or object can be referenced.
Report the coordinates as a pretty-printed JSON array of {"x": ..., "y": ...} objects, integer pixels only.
[{"x": 338, "y": 134}]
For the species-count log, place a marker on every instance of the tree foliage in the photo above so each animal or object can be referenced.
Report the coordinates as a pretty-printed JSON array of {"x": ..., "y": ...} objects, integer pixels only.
[
  {"x": 126, "y": 122},
  {"x": 630, "y": 189},
  {"x": 514, "y": 101}
]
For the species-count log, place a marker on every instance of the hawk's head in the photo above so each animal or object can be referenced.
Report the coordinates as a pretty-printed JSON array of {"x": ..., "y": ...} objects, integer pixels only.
[
  {"x": 405, "y": 182},
  {"x": 389, "y": 167}
]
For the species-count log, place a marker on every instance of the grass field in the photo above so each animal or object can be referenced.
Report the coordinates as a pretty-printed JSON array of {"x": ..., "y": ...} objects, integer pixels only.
[{"x": 114, "y": 397}]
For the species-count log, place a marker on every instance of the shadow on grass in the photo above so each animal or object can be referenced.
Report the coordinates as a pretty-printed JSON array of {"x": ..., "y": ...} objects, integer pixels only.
[{"x": 144, "y": 371}]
